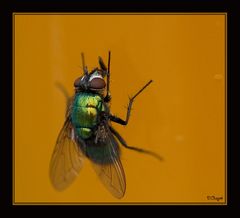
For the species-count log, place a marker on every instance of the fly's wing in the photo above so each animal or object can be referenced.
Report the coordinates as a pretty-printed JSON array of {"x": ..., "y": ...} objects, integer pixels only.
[
  {"x": 110, "y": 170},
  {"x": 67, "y": 159}
]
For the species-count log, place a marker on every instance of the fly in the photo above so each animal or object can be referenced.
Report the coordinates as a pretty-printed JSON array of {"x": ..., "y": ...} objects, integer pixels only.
[{"x": 87, "y": 132}]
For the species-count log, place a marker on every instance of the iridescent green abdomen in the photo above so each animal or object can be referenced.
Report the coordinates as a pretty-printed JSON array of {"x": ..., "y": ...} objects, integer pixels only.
[{"x": 85, "y": 112}]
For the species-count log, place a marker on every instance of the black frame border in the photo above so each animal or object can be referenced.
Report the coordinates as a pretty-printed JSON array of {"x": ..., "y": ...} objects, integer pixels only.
[{"x": 93, "y": 6}]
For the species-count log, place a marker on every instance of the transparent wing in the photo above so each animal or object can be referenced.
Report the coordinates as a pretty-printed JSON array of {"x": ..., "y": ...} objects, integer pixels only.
[
  {"x": 67, "y": 159},
  {"x": 110, "y": 170}
]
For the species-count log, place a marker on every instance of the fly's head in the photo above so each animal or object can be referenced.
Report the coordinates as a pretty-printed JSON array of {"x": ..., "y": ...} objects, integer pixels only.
[{"x": 92, "y": 81}]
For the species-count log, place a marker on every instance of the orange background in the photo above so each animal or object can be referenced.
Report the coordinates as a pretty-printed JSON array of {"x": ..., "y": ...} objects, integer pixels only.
[{"x": 181, "y": 115}]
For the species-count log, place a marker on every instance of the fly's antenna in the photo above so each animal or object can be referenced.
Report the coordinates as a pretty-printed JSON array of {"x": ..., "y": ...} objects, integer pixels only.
[
  {"x": 102, "y": 66},
  {"x": 83, "y": 65}
]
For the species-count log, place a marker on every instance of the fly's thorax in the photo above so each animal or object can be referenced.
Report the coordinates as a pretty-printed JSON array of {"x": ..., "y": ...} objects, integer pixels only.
[
  {"x": 85, "y": 112},
  {"x": 85, "y": 99}
]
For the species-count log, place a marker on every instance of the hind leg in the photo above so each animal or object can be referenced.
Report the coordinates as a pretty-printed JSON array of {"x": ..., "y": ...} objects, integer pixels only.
[{"x": 123, "y": 142}]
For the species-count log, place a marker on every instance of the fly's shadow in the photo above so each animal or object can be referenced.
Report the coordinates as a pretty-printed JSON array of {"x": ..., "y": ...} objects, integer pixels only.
[{"x": 68, "y": 98}]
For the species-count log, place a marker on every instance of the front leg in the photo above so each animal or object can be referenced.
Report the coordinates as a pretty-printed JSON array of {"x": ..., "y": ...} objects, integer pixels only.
[
  {"x": 108, "y": 95},
  {"x": 125, "y": 122},
  {"x": 107, "y": 98},
  {"x": 119, "y": 120},
  {"x": 106, "y": 71}
]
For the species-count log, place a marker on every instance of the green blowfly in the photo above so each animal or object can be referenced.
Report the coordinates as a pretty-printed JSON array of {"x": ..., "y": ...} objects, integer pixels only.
[{"x": 87, "y": 132}]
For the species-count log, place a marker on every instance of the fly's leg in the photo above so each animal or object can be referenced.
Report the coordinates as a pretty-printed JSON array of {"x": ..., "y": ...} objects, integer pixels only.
[
  {"x": 108, "y": 95},
  {"x": 125, "y": 122},
  {"x": 105, "y": 69},
  {"x": 123, "y": 142}
]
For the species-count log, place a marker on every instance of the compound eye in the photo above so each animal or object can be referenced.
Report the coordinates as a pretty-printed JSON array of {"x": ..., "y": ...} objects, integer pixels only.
[
  {"x": 77, "y": 82},
  {"x": 97, "y": 83}
]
